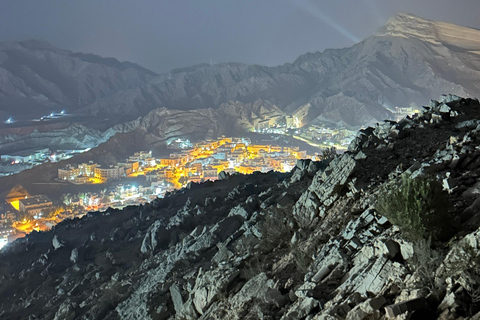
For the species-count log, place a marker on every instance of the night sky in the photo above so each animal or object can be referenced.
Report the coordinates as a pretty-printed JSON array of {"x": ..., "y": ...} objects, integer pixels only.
[{"x": 161, "y": 35}]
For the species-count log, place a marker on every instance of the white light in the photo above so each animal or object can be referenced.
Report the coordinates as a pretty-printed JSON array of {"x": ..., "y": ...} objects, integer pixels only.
[{"x": 3, "y": 242}]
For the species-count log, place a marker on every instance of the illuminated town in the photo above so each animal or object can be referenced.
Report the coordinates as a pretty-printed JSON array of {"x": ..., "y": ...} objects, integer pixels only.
[{"x": 188, "y": 164}]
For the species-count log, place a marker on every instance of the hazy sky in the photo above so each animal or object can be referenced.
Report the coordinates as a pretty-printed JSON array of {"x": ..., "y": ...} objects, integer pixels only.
[{"x": 165, "y": 34}]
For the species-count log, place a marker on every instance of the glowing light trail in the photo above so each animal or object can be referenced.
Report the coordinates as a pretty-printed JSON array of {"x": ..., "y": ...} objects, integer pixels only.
[{"x": 310, "y": 8}]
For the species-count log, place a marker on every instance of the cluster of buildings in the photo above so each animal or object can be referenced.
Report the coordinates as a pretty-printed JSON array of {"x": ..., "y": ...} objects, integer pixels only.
[
  {"x": 207, "y": 159},
  {"x": 117, "y": 196},
  {"x": 92, "y": 172},
  {"x": 7, "y": 233},
  {"x": 317, "y": 135},
  {"x": 325, "y": 136},
  {"x": 16, "y": 162},
  {"x": 24, "y": 214},
  {"x": 197, "y": 164},
  {"x": 200, "y": 162}
]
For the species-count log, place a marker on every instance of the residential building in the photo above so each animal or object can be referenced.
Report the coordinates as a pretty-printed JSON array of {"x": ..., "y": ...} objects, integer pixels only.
[
  {"x": 35, "y": 205},
  {"x": 109, "y": 173}
]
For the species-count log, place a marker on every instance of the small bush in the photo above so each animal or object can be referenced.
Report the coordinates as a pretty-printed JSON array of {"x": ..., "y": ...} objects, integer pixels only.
[
  {"x": 329, "y": 153},
  {"x": 419, "y": 207},
  {"x": 426, "y": 261}
]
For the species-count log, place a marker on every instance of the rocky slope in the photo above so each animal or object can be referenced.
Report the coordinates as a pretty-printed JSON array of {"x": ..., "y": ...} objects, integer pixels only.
[
  {"x": 309, "y": 244},
  {"x": 158, "y": 127},
  {"x": 75, "y": 136}
]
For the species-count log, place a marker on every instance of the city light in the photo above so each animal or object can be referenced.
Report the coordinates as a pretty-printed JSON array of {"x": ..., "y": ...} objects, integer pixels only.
[
  {"x": 202, "y": 162},
  {"x": 3, "y": 242},
  {"x": 15, "y": 204}
]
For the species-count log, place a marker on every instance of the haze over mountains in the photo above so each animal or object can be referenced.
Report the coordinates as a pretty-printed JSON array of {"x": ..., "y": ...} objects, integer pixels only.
[
  {"x": 405, "y": 63},
  {"x": 36, "y": 78}
]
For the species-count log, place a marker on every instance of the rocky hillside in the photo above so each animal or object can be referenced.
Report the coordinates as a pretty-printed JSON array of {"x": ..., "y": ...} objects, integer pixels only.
[
  {"x": 73, "y": 136},
  {"x": 158, "y": 127},
  {"x": 314, "y": 243}
]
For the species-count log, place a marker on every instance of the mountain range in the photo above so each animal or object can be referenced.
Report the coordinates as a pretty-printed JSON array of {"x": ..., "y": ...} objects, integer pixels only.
[{"x": 404, "y": 63}]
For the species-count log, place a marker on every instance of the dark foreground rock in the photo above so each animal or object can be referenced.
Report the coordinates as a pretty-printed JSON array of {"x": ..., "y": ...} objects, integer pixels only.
[{"x": 308, "y": 244}]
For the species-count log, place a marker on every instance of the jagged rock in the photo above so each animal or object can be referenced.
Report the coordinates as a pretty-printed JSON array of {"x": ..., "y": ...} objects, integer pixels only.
[
  {"x": 223, "y": 253},
  {"x": 322, "y": 192},
  {"x": 56, "y": 243},
  {"x": 65, "y": 312},
  {"x": 300, "y": 309},
  {"x": 360, "y": 156},
  {"x": 297, "y": 175},
  {"x": 177, "y": 298},
  {"x": 403, "y": 307},
  {"x": 447, "y": 98},
  {"x": 74, "y": 256},
  {"x": 275, "y": 297},
  {"x": 150, "y": 241},
  {"x": 377, "y": 303},
  {"x": 313, "y": 167},
  {"x": 209, "y": 285},
  {"x": 256, "y": 287},
  {"x": 238, "y": 211},
  {"x": 223, "y": 175},
  {"x": 303, "y": 164},
  {"x": 382, "y": 130}
]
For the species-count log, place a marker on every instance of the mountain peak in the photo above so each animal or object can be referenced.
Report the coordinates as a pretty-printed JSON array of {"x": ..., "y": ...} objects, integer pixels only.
[{"x": 408, "y": 25}]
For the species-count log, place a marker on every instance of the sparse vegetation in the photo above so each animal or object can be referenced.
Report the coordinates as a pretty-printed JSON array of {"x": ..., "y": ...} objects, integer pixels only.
[
  {"x": 329, "y": 153},
  {"x": 426, "y": 261},
  {"x": 275, "y": 229},
  {"x": 466, "y": 266},
  {"x": 418, "y": 206}
]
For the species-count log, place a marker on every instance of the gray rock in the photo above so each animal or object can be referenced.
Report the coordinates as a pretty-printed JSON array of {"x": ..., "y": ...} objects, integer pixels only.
[
  {"x": 74, "y": 256},
  {"x": 321, "y": 193},
  {"x": 149, "y": 243},
  {"x": 377, "y": 303},
  {"x": 360, "y": 155},
  {"x": 223, "y": 175},
  {"x": 275, "y": 297},
  {"x": 177, "y": 298},
  {"x": 303, "y": 164},
  {"x": 300, "y": 309},
  {"x": 239, "y": 211},
  {"x": 403, "y": 307},
  {"x": 322, "y": 273},
  {"x": 56, "y": 243}
]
